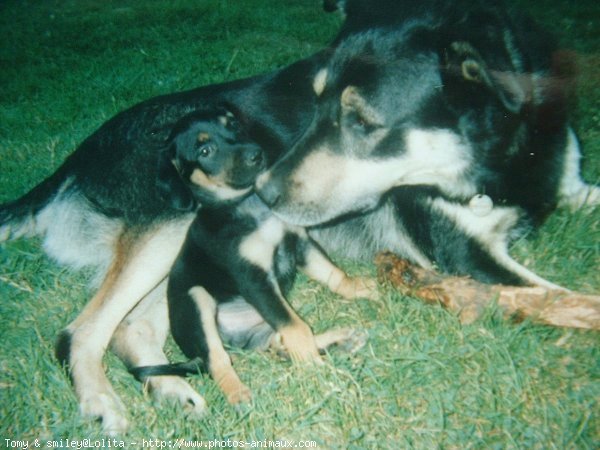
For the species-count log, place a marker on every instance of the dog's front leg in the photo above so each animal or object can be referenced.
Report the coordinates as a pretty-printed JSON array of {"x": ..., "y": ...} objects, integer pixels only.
[
  {"x": 315, "y": 264},
  {"x": 138, "y": 268},
  {"x": 573, "y": 192}
]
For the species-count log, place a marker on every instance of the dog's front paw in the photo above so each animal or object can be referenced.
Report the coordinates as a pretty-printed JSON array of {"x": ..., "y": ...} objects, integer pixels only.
[
  {"x": 176, "y": 390},
  {"x": 106, "y": 407},
  {"x": 585, "y": 196}
]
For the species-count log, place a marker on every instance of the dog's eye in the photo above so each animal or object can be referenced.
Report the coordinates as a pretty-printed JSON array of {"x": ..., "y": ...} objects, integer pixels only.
[{"x": 206, "y": 151}]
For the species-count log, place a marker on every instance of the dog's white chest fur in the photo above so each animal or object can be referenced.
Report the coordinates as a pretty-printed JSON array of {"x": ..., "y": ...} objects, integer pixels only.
[{"x": 259, "y": 246}]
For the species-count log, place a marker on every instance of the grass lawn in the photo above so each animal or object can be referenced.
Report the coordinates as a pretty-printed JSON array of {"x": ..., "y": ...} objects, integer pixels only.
[{"x": 423, "y": 380}]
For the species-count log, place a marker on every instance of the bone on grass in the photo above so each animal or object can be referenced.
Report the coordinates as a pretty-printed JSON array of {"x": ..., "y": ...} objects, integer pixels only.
[{"x": 469, "y": 298}]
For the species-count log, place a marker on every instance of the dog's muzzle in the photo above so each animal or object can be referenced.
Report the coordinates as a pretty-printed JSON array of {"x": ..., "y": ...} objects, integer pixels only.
[{"x": 268, "y": 189}]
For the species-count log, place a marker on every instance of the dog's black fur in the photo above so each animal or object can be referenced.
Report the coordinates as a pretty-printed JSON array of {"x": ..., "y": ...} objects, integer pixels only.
[{"x": 464, "y": 76}]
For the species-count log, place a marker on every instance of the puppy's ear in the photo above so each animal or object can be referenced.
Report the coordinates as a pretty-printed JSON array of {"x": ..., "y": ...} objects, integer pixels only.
[{"x": 171, "y": 188}]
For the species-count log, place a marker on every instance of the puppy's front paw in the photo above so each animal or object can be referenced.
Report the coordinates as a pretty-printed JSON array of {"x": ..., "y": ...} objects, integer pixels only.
[{"x": 299, "y": 343}]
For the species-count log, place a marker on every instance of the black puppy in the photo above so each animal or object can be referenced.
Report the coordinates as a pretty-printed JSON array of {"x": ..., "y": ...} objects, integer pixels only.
[{"x": 238, "y": 260}]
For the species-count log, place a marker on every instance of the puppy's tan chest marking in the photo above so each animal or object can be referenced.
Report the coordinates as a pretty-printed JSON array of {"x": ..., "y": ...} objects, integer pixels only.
[{"x": 258, "y": 247}]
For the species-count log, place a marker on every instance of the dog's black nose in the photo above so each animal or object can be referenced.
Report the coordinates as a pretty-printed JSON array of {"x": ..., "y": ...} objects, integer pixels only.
[
  {"x": 268, "y": 190},
  {"x": 253, "y": 156}
]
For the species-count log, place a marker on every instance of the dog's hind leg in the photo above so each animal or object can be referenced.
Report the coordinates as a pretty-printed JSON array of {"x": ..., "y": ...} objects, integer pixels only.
[
  {"x": 139, "y": 267},
  {"x": 139, "y": 341}
]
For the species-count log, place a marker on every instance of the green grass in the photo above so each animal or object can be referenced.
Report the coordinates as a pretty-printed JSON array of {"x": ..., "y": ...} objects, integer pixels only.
[{"x": 423, "y": 381}]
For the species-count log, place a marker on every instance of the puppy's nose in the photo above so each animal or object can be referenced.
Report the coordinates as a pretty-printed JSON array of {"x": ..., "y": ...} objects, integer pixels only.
[
  {"x": 267, "y": 190},
  {"x": 253, "y": 156}
]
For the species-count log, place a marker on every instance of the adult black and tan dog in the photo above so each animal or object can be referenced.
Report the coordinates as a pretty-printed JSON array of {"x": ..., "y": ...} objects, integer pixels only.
[
  {"x": 421, "y": 107},
  {"x": 238, "y": 261},
  {"x": 450, "y": 125}
]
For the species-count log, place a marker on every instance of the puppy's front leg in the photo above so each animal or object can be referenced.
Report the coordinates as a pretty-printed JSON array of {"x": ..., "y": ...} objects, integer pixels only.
[
  {"x": 262, "y": 291},
  {"x": 315, "y": 264},
  {"x": 257, "y": 280},
  {"x": 219, "y": 363}
]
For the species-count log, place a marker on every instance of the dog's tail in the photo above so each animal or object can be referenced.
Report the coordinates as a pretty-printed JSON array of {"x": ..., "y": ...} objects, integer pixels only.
[
  {"x": 191, "y": 367},
  {"x": 18, "y": 218}
]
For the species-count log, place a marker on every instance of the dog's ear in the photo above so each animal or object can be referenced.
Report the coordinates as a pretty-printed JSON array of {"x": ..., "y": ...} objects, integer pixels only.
[
  {"x": 171, "y": 188},
  {"x": 465, "y": 66}
]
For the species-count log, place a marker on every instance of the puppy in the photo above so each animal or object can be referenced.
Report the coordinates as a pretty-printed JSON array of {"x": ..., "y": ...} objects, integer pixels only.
[{"x": 238, "y": 260}]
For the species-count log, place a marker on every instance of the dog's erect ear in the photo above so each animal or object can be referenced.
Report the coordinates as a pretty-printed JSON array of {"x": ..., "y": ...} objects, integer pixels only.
[
  {"x": 464, "y": 63},
  {"x": 169, "y": 184}
]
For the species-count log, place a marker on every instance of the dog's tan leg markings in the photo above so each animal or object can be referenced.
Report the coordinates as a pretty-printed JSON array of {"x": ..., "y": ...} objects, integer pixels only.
[
  {"x": 135, "y": 272},
  {"x": 321, "y": 269},
  {"x": 123, "y": 246},
  {"x": 219, "y": 362},
  {"x": 139, "y": 341}
]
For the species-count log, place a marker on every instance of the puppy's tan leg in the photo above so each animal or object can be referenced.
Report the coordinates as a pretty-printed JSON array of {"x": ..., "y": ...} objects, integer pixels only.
[
  {"x": 299, "y": 342},
  {"x": 139, "y": 267},
  {"x": 139, "y": 341},
  {"x": 318, "y": 267},
  {"x": 264, "y": 293},
  {"x": 219, "y": 363}
]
